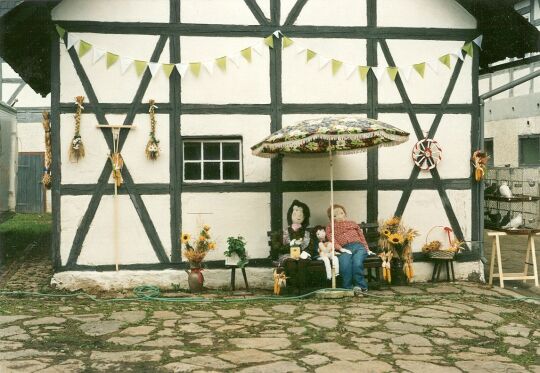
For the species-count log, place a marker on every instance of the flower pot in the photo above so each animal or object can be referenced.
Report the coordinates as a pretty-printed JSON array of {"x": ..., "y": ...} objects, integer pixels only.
[
  {"x": 232, "y": 260},
  {"x": 398, "y": 276},
  {"x": 195, "y": 280}
]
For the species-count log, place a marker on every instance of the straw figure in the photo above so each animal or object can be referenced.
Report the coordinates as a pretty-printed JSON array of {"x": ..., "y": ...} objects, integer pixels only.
[
  {"x": 152, "y": 147},
  {"x": 76, "y": 148}
]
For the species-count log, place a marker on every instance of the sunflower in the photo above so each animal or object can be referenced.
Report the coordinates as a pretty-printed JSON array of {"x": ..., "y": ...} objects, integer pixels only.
[
  {"x": 212, "y": 245},
  {"x": 206, "y": 227},
  {"x": 202, "y": 238},
  {"x": 387, "y": 232},
  {"x": 186, "y": 237},
  {"x": 396, "y": 238}
]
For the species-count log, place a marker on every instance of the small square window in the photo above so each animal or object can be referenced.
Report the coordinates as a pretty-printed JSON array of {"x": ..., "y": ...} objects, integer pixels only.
[
  {"x": 209, "y": 160},
  {"x": 529, "y": 150},
  {"x": 488, "y": 148}
]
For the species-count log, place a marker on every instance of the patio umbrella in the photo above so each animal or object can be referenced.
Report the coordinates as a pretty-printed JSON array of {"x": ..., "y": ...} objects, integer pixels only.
[{"x": 328, "y": 135}]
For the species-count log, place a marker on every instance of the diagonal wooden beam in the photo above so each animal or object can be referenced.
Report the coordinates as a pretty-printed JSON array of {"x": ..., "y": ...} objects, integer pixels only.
[
  {"x": 13, "y": 97},
  {"x": 295, "y": 12},
  {"x": 257, "y": 12}
]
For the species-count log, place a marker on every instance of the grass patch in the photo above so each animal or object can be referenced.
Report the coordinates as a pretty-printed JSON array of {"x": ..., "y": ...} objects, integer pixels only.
[{"x": 21, "y": 230}]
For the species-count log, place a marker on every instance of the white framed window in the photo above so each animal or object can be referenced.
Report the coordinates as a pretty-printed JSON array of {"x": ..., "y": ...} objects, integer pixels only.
[{"x": 214, "y": 160}]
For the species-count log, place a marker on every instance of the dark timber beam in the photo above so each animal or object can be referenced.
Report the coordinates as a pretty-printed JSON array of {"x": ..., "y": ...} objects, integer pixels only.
[
  {"x": 295, "y": 12},
  {"x": 257, "y": 12}
]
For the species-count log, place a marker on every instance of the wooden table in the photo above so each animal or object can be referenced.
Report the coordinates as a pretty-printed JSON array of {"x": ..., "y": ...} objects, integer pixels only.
[{"x": 496, "y": 253}]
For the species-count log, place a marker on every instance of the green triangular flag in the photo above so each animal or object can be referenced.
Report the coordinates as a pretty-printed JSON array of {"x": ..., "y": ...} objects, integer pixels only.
[
  {"x": 168, "y": 69},
  {"x": 222, "y": 63},
  {"x": 392, "y": 72},
  {"x": 61, "y": 32},
  {"x": 246, "y": 53},
  {"x": 195, "y": 68},
  {"x": 336, "y": 65},
  {"x": 111, "y": 59},
  {"x": 446, "y": 60},
  {"x": 310, "y": 54},
  {"x": 140, "y": 66},
  {"x": 84, "y": 48},
  {"x": 469, "y": 49},
  {"x": 363, "y": 70},
  {"x": 287, "y": 42},
  {"x": 269, "y": 41},
  {"x": 420, "y": 68}
]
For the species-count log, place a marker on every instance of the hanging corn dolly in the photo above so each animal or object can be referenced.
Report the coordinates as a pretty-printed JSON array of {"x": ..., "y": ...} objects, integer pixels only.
[
  {"x": 152, "y": 147},
  {"x": 117, "y": 162},
  {"x": 386, "y": 257},
  {"x": 47, "y": 178},
  {"x": 76, "y": 148}
]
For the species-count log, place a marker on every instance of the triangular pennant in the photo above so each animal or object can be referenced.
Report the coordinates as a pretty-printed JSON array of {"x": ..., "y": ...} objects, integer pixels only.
[
  {"x": 445, "y": 60},
  {"x": 153, "y": 66},
  {"x": 277, "y": 33},
  {"x": 222, "y": 63},
  {"x": 111, "y": 59},
  {"x": 323, "y": 61},
  {"x": 310, "y": 55},
  {"x": 363, "y": 71},
  {"x": 140, "y": 66},
  {"x": 349, "y": 69},
  {"x": 378, "y": 71},
  {"x": 257, "y": 48},
  {"x": 209, "y": 66},
  {"x": 97, "y": 54},
  {"x": 195, "y": 68},
  {"x": 468, "y": 48},
  {"x": 420, "y": 68},
  {"x": 125, "y": 63},
  {"x": 287, "y": 42},
  {"x": 336, "y": 65},
  {"x": 246, "y": 53},
  {"x": 392, "y": 72},
  {"x": 299, "y": 48},
  {"x": 168, "y": 69},
  {"x": 61, "y": 32},
  {"x": 458, "y": 53},
  {"x": 84, "y": 47},
  {"x": 478, "y": 41},
  {"x": 269, "y": 40},
  {"x": 433, "y": 65},
  {"x": 236, "y": 59},
  {"x": 405, "y": 72},
  {"x": 182, "y": 69},
  {"x": 71, "y": 40}
]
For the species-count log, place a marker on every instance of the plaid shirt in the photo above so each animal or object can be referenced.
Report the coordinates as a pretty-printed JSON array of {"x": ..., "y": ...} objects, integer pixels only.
[{"x": 345, "y": 232}]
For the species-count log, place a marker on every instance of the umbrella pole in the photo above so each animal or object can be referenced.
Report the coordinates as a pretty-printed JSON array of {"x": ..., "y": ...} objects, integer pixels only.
[{"x": 332, "y": 212}]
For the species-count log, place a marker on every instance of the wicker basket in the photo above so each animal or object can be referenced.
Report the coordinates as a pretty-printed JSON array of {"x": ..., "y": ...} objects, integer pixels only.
[{"x": 439, "y": 254}]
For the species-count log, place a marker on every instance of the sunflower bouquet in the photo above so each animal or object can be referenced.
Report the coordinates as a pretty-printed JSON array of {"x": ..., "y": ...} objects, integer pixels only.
[
  {"x": 396, "y": 242},
  {"x": 195, "y": 250}
]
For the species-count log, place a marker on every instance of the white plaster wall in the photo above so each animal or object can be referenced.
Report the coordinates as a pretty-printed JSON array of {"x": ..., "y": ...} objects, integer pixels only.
[
  {"x": 307, "y": 83},
  {"x": 159, "y": 209},
  {"x": 229, "y": 214},
  {"x": 318, "y": 203},
  {"x": 133, "y": 243},
  {"x": 423, "y": 13},
  {"x": 252, "y": 129},
  {"x": 498, "y": 79},
  {"x": 110, "y": 85},
  {"x": 522, "y": 89},
  {"x": 346, "y": 167},
  {"x": 322, "y": 13},
  {"x": 72, "y": 209},
  {"x": 432, "y": 87},
  {"x": 483, "y": 84},
  {"x": 31, "y": 137},
  {"x": 112, "y": 11},
  {"x": 226, "y": 12},
  {"x": 28, "y": 98},
  {"x": 265, "y": 7},
  {"x": 249, "y": 83}
]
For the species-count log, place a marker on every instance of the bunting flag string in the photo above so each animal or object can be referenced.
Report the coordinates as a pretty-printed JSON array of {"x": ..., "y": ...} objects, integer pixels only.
[{"x": 246, "y": 54}]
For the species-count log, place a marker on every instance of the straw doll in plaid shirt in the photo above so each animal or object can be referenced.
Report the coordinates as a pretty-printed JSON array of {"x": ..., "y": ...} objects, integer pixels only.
[{"x": 350, "y": 243}]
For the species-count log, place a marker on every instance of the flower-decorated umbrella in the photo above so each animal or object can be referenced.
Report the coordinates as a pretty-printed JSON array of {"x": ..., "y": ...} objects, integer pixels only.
[{"x": 344, "y": 135}]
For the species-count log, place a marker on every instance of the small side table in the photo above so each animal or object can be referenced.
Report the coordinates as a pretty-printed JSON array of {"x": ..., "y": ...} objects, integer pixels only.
[
  {"x": 438, "y": 264},
  {"x": 531, "y": 254},
  {"x": 233, "y": 276}
]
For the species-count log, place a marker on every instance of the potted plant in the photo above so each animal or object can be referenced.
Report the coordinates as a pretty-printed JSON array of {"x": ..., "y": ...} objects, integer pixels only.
[
  {"x": 236, "y": 252},
  {"x": 195, "y": 251}
]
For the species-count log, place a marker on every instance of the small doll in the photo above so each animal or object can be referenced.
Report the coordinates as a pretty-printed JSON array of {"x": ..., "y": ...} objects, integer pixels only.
[{"x": 325, "y": 252}]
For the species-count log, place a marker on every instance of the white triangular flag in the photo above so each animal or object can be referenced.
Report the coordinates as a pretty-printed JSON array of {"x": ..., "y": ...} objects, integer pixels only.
[
  {"x": 277, "y": 33},
  {"x": 258, "y": 48},
  {"x": 478, "y": 41},
  {"x": 209, "y": 66},
  {"x": 98, "y": 53},
  {"x": 323, "y": 61},
  {"x": 236, "y": 58},
  {"x": 125, "y": 63},
  {"x": 299, "y": 48},
  {"x": 458, "y": 53},
  {"x": 71, "y": 40},
  {"x": 153, "y": 66},
  {"x": 434, "y": 65},
  {"x": 405, "y": 72},
  {"x": 349, "y": 69},
  {"x": 378, "y": 71},
  {"x": 182, "y": 68}
]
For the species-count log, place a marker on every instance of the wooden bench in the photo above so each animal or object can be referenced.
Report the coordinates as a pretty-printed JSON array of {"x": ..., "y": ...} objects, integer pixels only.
[{"x": 305, "y": 274}]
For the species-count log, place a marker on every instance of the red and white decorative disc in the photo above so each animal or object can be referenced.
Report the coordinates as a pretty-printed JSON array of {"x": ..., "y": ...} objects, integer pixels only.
[{"x": 426, "y": 154}]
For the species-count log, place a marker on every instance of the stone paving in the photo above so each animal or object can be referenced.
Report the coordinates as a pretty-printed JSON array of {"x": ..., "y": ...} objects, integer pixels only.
[{"x": 460, "y": 327}]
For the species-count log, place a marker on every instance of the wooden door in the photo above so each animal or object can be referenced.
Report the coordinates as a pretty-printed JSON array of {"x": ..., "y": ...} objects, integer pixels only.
[{"x": 30, "y": 191}]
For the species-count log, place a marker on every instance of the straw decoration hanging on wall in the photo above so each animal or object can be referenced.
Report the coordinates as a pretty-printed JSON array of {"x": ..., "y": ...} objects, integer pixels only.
[
  {"x": 152, "y": 147},
  {"x": 117, "y": 162},
  {"x": 47, "y": 178},
  {"x": 76, "y": 148}
]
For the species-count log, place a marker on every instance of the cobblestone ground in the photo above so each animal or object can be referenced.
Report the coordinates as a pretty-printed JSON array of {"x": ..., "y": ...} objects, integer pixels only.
[{"x": 461, "y": 327}]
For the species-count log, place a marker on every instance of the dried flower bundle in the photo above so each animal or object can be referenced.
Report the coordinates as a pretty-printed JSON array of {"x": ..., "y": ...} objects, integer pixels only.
[
  {"x": 396, "y": 240},
  {"x": 76, "y": 148},
  {"x": 195, "y": 250},
  {"x": 47, "y": 177},
  {"x": 152, "y": 147}
]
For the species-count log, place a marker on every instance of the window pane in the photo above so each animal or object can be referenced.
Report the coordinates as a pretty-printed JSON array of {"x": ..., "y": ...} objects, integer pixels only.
[
  {"x": 231, "y": 170},
  {"x": 231, "y": 150},
  {"x": 530, "y": 150},
  {"x": 192, "y": 151},
  {"x": 488, "y": 147},
  {"x": 192, "y": 171},
  {"x": 211, "y": 150},
  {"x": 211, "y": 171}
]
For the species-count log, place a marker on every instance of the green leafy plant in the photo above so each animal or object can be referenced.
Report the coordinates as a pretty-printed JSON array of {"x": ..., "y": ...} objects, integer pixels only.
[{"x": 237, "y": 245}]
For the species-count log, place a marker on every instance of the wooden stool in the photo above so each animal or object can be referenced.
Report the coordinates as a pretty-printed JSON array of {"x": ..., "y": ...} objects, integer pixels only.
[
  {"x": 438, "y": 264},
  {"x": 233, "y": 277}
]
